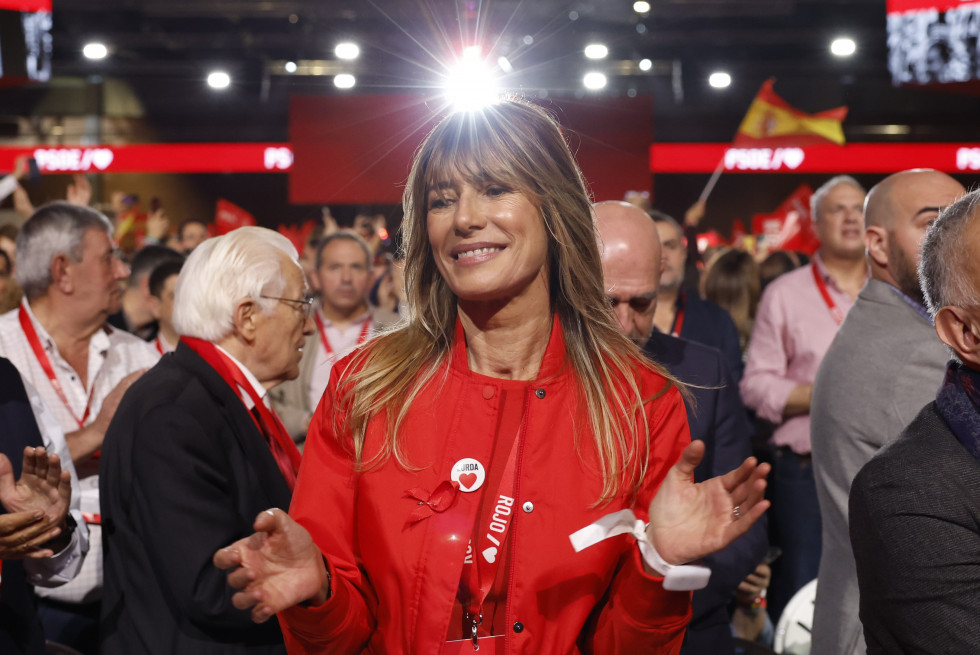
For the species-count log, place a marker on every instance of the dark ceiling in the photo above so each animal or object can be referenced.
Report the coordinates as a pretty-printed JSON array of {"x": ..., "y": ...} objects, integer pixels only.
[{"x": 163, "y": 49}]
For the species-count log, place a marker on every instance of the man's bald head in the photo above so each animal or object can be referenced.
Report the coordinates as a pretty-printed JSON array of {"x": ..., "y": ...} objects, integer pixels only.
[
  {"x": 885, "y": 199},
  {"x": 898, "y": 211},
  {"x": 631, "y": 265}
]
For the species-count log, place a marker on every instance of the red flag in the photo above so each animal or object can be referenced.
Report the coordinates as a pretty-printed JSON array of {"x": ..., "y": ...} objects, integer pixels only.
[
  {"x": 789, "y": 227},
  {"x": 771, "y": 122},
  {"x": 298, "y": 234},
  {"x": 229, "y": 216}
]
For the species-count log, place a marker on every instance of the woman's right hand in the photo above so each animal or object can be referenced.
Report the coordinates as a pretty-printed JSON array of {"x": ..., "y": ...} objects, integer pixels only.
[{"x": 275, "y": 568}]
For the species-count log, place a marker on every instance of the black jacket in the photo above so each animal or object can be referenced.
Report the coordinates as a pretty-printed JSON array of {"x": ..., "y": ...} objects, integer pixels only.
[{"x": 184, "y": 471}]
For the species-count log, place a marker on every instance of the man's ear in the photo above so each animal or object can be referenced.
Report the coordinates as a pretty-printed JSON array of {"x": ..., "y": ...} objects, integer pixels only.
[
  {"x": 958, "y": 330},
  {"x": 243, "y": 318},
  {"x": 876, "y": 241},
  {"x": 61, "y": 265},
  {"x": 153, "y": 303}
]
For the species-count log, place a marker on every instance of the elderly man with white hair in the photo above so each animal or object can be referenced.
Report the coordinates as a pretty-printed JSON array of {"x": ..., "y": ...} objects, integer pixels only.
[{"x": 195, "y": 453}]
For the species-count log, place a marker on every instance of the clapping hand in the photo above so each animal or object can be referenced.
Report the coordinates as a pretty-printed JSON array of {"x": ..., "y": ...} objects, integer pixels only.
[
  {"x": 37, "y": 504},
  {"x": 275, "y": 568},
  {"x": 689, "y": 520}
]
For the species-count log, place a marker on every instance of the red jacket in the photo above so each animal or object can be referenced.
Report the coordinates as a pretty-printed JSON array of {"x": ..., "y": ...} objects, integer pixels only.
[{"x": 394, "y": 583}]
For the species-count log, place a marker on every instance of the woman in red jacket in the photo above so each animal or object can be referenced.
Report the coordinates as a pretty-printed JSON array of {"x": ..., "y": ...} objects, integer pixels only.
[{"x": 451, "y": 459}]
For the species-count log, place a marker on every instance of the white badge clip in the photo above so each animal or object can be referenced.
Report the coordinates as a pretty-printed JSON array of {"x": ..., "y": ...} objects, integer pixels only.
[{"x": 684, "y": 577}]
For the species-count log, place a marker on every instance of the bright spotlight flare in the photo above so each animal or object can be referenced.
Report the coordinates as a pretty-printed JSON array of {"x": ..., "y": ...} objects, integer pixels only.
[{"x": 471, "y": 84}]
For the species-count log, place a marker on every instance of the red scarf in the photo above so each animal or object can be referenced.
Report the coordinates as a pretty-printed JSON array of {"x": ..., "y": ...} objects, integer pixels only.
[{"x": 280, "y": 443}]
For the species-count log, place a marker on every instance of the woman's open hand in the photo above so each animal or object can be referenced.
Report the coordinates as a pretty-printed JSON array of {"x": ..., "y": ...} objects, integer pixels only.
[
  {"x": 689, "y": 521},
  {"x": 275, "y": 568}
]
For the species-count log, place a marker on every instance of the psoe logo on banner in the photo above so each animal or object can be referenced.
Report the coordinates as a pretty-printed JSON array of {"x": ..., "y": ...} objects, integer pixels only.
[
  {"x": 75, "y": 160},
  {"x": 763, "y": 159},
  {"x": 278, "y": 159},
  {"x": 968, "y": 159}
]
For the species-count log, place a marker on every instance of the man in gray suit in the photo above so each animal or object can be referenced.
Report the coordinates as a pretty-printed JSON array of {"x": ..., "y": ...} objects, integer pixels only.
[
  {"x": 883, "y": 365},
  {"x": 914, "y": 506}
]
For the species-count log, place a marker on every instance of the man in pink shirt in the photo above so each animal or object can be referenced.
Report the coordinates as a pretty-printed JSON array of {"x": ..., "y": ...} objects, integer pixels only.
[{"x": 797, "y": 319}]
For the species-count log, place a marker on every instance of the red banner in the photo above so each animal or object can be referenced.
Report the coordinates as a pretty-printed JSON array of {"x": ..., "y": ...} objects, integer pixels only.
[
  {"x": 156, "y": 158},
  {"x": 357, "y": 149},
  {"x": 30, "y": 6},
  {"x": 904, "y": 6},
  {"x": 229, "y": 216},
  {"x": 852, "y": 158}
]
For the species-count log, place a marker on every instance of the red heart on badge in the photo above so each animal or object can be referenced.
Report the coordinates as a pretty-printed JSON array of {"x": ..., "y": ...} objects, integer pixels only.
[{"x": 467, "y": 479}]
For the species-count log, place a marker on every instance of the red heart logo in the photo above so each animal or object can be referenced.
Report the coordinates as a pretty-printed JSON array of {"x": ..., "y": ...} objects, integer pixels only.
[{"x": 467, "y": 479}]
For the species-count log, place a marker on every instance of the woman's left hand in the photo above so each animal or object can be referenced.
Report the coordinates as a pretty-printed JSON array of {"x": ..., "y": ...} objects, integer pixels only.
[{"x": 689, "y": 521}]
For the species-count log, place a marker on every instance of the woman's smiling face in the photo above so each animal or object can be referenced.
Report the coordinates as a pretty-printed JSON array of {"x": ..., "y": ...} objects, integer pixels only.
[{"x": 489, "y": 241}]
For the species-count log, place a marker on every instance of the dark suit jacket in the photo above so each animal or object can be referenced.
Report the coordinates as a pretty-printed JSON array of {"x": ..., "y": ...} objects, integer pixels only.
[
  {"x": 915, "y": 529},
  {"x": 718, "y": 418},
  {"x": 20, "y": 629},
  {"x": 184, "y": 471},
  {"x": 710, "y": 325}
]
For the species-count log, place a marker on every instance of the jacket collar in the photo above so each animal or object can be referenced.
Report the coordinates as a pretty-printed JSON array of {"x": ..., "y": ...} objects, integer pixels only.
[{"x": 551, "y": 364}]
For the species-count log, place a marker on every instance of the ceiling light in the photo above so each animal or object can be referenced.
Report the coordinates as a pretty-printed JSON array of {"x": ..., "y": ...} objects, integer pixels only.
[
  {"x": 645, "y": 65},
  {"x": 720, "y": 80},
  {"x": 470, "y": 85},
  {"x": 843, "y": 47},
  {"x": 290, "y": 67},
  {"x": 95, "y": 50},
  {"x": 641, "y": 7},
  {"x": 347, "y": 50},
  {"x": 344, "y": 81},
  {"x": 596, "y": 51},
  {"x": 219, "y": 80},
  {"x": 594, "y": 81}
]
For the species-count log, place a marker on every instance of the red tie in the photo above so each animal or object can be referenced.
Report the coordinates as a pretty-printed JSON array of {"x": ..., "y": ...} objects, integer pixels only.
[{"x": 280, "y": 443}]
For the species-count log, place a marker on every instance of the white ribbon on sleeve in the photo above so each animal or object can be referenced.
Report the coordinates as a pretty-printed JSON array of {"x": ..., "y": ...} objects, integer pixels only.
[{"x": 684, "y": 577}]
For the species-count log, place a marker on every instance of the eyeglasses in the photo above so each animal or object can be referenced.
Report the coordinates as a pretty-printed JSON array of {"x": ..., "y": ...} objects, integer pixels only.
[
  {"x": 639, "y": 304},
  {"x": 304, "y": 305}
]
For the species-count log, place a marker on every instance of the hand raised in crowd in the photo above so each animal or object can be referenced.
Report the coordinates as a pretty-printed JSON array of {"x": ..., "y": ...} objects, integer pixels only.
[
  {"x": 689, "y": 520},
  {"x": 79, "y": 191},
  {"x": 753, "y": 585},
  {"x": 22, "y": 202},
  {"x": 21, "y": 168},
  {"x": 694, "y": 213},
  {"x": 158, "y": 225},
  {"x": 275, "y": 568},
  {"x": 37, "y": 504}
]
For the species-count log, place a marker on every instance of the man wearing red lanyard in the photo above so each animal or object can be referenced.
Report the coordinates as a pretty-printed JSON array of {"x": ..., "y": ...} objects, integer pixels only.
[
  {"x": 194, "y": 452},
  {"x": 798, "y": 317},
  {"x": 344, "y": 321},
  {"x": 59, "y": 341},
  {"x": 684, "y": 314}
]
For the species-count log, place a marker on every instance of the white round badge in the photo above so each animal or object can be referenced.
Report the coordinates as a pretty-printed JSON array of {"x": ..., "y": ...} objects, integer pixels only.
[{"x": 469, "y": 473}]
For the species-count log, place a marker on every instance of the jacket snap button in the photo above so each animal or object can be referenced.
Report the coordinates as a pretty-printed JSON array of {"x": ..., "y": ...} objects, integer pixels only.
[
  {"x": 539, "y": 393},
  {"x": 518, "y": 627},
  {"x": 528, "y": 507},
  {"x": 488, "y": 392}
]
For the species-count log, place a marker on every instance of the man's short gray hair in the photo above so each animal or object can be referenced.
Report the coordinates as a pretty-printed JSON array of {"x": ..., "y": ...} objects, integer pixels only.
[
  {"x": 222, "y": 271},
  {"x": 57, "y": 228},
  {"x": 349, "y": 235},
  {"x": 942, "y": 270},
  {"x": 826, "y": 188}
]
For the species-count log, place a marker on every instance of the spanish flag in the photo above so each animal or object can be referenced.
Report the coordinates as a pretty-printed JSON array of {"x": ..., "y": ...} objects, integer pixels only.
[{"x": 772, "y": 122}]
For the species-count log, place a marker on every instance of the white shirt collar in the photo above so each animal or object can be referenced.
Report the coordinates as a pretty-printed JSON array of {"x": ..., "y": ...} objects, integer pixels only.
[{"x": 260, "y": 391}]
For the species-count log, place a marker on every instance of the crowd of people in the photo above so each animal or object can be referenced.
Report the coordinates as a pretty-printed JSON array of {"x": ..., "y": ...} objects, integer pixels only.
[{"x": 537, "y": 424}]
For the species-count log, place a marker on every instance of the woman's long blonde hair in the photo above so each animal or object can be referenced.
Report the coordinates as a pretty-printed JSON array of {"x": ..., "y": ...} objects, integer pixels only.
[{"x": 518, "y": 145}]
